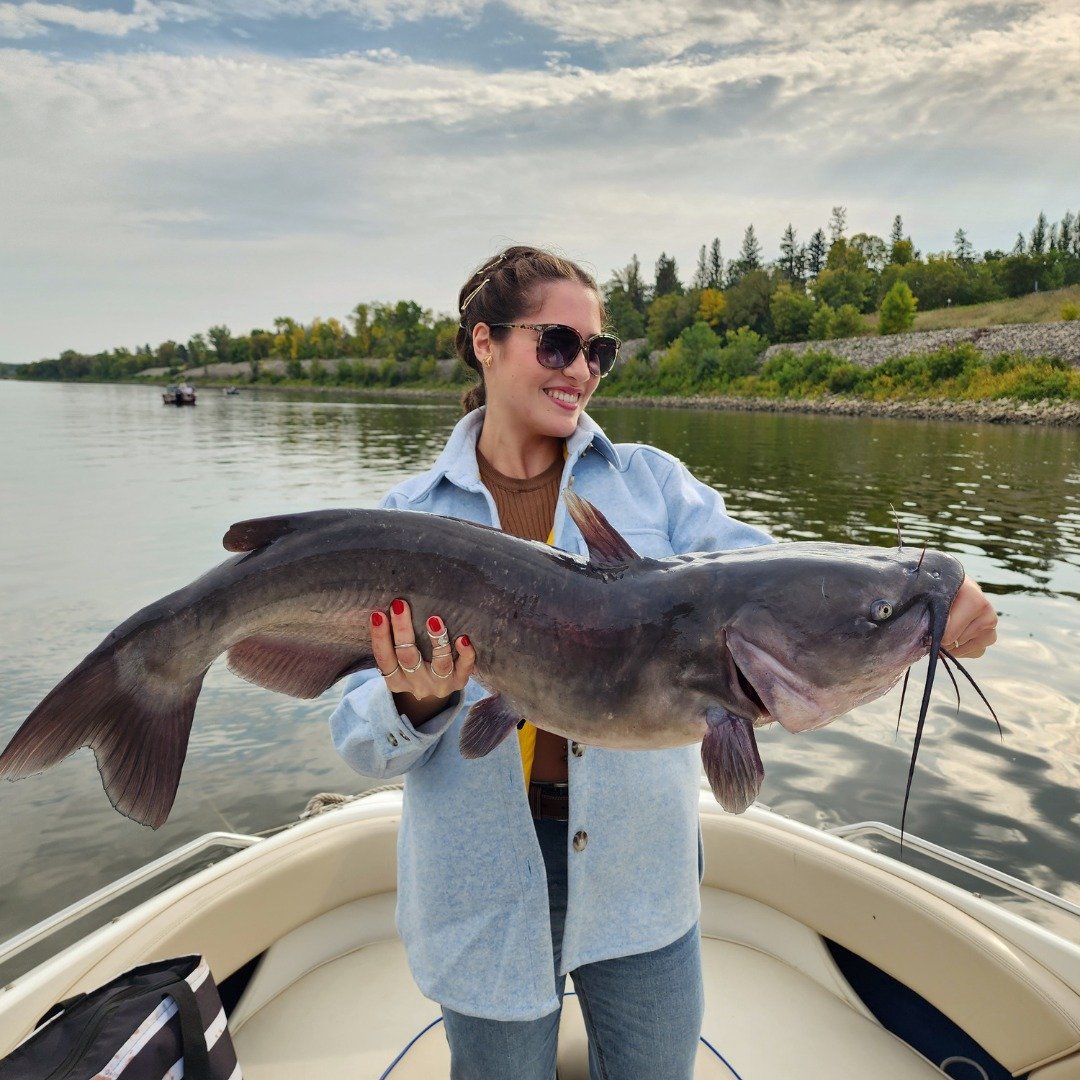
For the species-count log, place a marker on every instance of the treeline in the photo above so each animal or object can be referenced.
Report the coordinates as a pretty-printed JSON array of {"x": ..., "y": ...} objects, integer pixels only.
[
  {"x": 817, "y": 290},
  {"x": 823, "y": 288}
]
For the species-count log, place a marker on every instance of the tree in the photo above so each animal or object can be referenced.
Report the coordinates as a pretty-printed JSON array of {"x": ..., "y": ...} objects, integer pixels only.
[
  {"x": 632, "y": 282},
  {"x": 625, "y": 319},
  {"x": 898, "y": 309},
  {"x": 815, "y": 253},
  {"x": 1039, "y": 235},
  {"x": 821, "y": 323},
  {"x": 748, "y": 303},
  {"x": 897, "y": 233},
  {"x": 838, "y": 223},
  {"x": 871, "y": 249},
  {"x": 667, "y": 277},
  {"x": 962, "y": 248},
  {"x": 712, "y": 307},
  {"x": 669, "y": 315},
  {"x": 716, "y": 265},
  {"x": 701, "y": 274},
  {"x": 847, "y": 322},
  {"x": 221, "y": 338},
  {"x": 791, "y": 255},
  {"x": 791, "y": 311}
]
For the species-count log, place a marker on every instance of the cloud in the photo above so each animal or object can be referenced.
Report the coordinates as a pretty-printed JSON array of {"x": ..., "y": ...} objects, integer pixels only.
[
  {"x": 699, "y": 119},
  {"x": 32, "y": 19}
]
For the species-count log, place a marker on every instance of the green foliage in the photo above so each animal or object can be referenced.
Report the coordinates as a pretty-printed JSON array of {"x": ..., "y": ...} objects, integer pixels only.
[
  {"x": 749, "y": 302},
  {"x": 669, "y": 315},
  {"x": 898, "y": 309},
  {"x": 821, "y": 322},
  {"x": 1070, "y": 312},
  {"x": 847, "y": 323},
  {"x": 624, "y": 318},
  {"x": 791, "y": 310}
]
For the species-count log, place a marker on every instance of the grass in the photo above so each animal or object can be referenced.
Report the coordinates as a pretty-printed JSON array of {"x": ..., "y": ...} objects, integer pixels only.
[{"x": 1041, "y": 307}]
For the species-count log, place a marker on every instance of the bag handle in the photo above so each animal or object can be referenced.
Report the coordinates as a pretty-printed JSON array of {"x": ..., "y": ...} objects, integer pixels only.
[{"x": 196, "y": 1055}]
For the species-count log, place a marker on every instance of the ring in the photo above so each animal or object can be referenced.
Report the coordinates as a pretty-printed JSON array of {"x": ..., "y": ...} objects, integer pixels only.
[
  {"x": 437, "y": 675},
  {"x": 407, "y": 645},
  {"x": 387, "y": 674},
  {"x": 441, "y": 639},
  {"x": 410, "y": 670}
]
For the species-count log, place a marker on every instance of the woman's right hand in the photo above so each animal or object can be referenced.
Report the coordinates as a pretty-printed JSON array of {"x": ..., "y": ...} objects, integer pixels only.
[{"x": 420, "y": 687}]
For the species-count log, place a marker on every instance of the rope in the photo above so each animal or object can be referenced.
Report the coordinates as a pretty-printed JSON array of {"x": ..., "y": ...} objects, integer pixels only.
[{"x": 328, "y": 800}]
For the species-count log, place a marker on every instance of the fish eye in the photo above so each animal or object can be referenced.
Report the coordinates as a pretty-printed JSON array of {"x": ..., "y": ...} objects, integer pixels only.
[{"x": 880, "y": 610}]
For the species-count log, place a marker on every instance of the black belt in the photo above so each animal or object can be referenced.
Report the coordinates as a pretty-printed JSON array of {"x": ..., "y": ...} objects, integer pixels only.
[{"x": 550, "y": 802}]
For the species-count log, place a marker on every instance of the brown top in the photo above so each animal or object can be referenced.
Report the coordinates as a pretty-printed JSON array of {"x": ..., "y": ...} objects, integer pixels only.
[{"x": 527, "y": 509}]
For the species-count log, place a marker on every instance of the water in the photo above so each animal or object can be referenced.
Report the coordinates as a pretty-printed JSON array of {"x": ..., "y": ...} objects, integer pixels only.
[{"x": 109, "y": 500}]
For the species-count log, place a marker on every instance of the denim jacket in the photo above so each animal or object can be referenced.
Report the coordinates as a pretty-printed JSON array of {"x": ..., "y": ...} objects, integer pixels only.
[{"x": 472, "y": 892}]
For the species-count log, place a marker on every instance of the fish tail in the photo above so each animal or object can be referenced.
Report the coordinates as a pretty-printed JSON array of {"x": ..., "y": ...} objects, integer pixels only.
[{"x": 139, "y": 734}]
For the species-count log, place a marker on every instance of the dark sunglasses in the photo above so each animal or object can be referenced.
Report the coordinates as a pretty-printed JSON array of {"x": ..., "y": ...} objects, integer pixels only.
[{"x": 557, "y": 346}]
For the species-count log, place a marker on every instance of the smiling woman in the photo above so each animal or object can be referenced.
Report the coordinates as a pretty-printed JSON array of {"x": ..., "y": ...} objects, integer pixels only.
[{"x": 615, "y": 830}]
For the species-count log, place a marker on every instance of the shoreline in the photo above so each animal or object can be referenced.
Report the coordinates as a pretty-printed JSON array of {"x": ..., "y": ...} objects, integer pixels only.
[{"x": 997, "y": 411}]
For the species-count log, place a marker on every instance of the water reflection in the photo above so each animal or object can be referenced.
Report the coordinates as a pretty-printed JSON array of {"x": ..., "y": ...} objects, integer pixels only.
[{"x": 117, "y": 500}]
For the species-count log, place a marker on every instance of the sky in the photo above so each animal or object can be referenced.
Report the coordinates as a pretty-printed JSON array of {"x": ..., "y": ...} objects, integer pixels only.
[{"x": 168, "y": 165}]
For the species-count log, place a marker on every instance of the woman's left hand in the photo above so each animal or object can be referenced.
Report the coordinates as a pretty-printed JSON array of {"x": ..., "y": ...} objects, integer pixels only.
[{"x": 972, "y": 625}]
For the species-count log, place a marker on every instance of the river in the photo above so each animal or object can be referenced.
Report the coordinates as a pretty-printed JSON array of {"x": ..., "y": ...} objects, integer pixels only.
[{"x": 109, "y": 500}]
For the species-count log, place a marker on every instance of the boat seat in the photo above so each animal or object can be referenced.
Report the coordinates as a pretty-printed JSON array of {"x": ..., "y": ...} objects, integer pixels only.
[{"x": 334, "y": 998}]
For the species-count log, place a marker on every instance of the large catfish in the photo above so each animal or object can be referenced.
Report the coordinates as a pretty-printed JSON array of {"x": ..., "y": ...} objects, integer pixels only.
[{"x": 614, "y": 650}]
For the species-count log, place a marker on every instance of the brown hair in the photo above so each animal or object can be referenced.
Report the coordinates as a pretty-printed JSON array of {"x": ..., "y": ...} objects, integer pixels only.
[{"x": 504, "y": 289}]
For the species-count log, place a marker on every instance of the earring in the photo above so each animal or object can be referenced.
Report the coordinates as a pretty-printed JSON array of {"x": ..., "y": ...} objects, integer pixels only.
[{"x": 486, "y": 360}]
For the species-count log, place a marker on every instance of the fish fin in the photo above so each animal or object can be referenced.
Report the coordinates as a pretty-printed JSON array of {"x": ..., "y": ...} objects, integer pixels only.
[
  {"x": 258, "y": 533},
  {"x": 607, "y": 549},
  {"x": 139, "y": 737},
  {"x": 488, "y": 723},
  {"x": 732, "y": 763},
  {"x": 295, "y": 666}
]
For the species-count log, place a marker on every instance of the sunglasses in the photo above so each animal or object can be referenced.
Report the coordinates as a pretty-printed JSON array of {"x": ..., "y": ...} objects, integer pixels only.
[{"x": 557, "y": 346}]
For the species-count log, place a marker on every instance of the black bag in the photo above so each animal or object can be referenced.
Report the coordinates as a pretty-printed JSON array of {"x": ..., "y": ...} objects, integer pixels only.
[{"x": 155, "y": 1022}]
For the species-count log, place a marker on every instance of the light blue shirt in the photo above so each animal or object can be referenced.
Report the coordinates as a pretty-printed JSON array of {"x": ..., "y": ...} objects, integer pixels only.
[{"x": 472, "y": 893}]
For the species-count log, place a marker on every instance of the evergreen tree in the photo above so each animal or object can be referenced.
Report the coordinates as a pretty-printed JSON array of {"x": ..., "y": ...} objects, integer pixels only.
[
  {"x": 790, "y": 255},
  {"x": 750, "y": 253},
  {"x": 1020, "y": 247},
  {"x": 816, "y": 252},
  {"x": 1039, "y": 235},
  {"x": 701, "y": 274},
  {"x": 838, "y": 223},
  {"x": 716, "y": 265},
  {"x": 629, "y": 277},
  {"x": 667, "y": 276},
  {"x": 1066, "y": 234},
  {"x": 897, "y": 233}
]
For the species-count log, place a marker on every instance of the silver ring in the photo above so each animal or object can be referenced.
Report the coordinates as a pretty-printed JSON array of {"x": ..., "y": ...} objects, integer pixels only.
[
  {"x": 410, "y": 670},
  {"x": 437, "y": 675},
  {"x": 407, "y": 645},
  {"x": 387, "y": 674},
  {"x": 441, "y": 639}
]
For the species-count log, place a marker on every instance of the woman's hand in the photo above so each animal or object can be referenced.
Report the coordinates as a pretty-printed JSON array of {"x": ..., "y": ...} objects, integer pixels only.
[
  {"x": 420, "y": 687},
  {"x": 972, "y": 625}
]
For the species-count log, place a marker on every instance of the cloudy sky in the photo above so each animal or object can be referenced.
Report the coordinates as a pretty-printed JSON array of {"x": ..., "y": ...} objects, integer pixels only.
[{"x": 172, "y": 164}]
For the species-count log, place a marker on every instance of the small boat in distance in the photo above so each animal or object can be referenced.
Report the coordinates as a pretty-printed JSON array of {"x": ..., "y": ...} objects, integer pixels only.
[
  {"x": 231, "y": 391},
  {"x": 184, "y": 394}
]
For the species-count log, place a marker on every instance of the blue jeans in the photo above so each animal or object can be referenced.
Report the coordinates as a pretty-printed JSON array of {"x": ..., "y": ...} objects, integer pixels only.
[{"x": 642, "y": 1013}]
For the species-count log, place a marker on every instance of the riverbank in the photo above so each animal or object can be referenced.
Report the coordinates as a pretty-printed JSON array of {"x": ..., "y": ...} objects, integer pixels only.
[{"x": 1004, "y": 411}]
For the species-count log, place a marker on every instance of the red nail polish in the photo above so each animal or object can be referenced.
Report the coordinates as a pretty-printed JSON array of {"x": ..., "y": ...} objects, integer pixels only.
[
  {"x": 434, "y": 624},
  {"x": 398, "y": 607},
  {"x": 465, "y": 641},
  {"x": 376, "y": 618}
]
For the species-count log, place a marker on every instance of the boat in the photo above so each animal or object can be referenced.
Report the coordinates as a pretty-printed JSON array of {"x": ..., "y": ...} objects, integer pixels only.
[
  {"x": 231, "y": 391},
  {"x": 183, "y": 394},
  {"x": 823, "y": 958}
]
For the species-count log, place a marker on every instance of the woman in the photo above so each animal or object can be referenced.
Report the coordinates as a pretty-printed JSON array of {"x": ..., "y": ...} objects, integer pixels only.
[{"x": 543, "y": 859}]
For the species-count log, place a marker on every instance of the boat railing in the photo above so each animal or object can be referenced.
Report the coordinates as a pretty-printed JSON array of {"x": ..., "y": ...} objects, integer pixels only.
[
  {"x": 121, "y": 888},
  {"x": 947, "y": 857}
]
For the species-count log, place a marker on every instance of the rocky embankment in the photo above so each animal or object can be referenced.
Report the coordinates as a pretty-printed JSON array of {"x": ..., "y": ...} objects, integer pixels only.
[
  {"x": 1053, "y": 414},
  {"x": 1061, "y": 339}
]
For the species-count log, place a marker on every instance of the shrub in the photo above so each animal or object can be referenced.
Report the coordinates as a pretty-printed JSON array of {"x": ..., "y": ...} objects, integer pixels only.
[
  {"x": 898, "y": 309},
  {"x": 1070, "y": 312}
]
